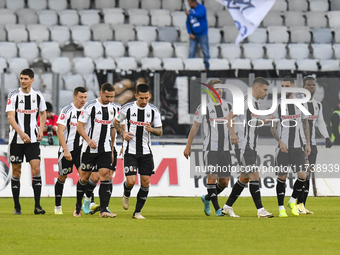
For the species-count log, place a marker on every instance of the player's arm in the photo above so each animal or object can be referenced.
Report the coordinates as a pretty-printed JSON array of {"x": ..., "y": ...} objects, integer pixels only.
[
  {"x": 61, "y": 138},
  {"x": 233, "y": 135},
  {"x": 323, "y": 129},
  {"x": 273, "y": 130},
  {"x": 54, "y": 124},
  {"x": 192, "y": 134},
  {"x": 335, "y": 119},
  {"x": 15, "y": 126},
  {"x": 42, "y": 125},
  {"x": 81, "y": 130},
  {"x": 158, "y": 131},
  {"x": 126, "y": 135},
  {"x": 307, "y": 134}
]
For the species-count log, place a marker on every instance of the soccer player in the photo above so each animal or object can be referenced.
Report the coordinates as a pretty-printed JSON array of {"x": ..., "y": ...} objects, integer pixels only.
[
  {"x": 94, "y": 125},
  {"x": 216, "y": 145},
  {"x": 70, "y": 142},
  {"x": 139, "y": 115},
  {"x": 290, "y": 149},
  {"x": 23, "y": 107},
  {"x": 315, "y": 119},
  {"x": 246, "y": 139}
]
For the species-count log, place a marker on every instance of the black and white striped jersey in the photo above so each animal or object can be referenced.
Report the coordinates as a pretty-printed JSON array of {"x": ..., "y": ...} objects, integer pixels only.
[
  {"x": 99, "y": 120},
  {"x": 116, "y": 109},
  {"x": 290, "y": 127},
  {"x": 216, "y": 133},
  {"x": 136, "y": 118},
  {"x": 69, "y": 118},
  {"x": 26, "y": 107}
]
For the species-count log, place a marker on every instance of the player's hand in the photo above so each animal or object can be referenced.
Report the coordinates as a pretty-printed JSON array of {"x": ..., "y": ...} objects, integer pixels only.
[
  {"x": 148, "y": 127},
  {"x": 187, "y": 12},
  {"x": 26, "y": 138},
  {"x": 308, "y": 150},
  {"x": 127, "y": 136},
  {"x": 283, "y": 147},
  {"x": 121, "y": 151},
  {"x": 40, "y": 134},
  {"x": 268, "y": 120},
  {"x": 192, "y": 36},
  {"x": 187, "y": 152},
  {"x": 67, "y": 155},
  {"x": 329, "y": 143},
  {"x": 92, "y": 144},
  {"x": 234, "y": 139}
]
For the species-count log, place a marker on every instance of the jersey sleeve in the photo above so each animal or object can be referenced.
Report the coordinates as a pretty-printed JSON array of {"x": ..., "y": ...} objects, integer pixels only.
[
  {"x": 157, "y": 121},
  {"x": 85, "y": 114},
  {"x": 198, "y": 115},
  {"x": 121, "y": 115},
  {"x": 42, "y": 105},
  {"x": 321, "y": 123},
  {"x": 10, "y": 107},
  {"x": 63, "y": 117}
]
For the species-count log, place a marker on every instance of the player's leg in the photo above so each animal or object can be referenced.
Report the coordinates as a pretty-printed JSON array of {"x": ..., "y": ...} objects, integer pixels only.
[
  {"x": 130, "y": 170},
  {"x": 90, "y": 186},
  {"x": 282, "y": 162},
  {"x": 36, "y": 184},
  {"x": 211, "y": 196}
]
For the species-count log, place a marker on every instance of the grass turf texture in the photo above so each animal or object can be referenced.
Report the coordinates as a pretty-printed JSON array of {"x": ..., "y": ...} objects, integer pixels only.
[{"x": 173, "y": 226}]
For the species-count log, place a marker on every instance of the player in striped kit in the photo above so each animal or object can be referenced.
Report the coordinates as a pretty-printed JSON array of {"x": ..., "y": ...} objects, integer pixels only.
[
  {"x": 291, "y": 153},
  {"x": 94, "y": 125},
  {"x": 23, "y": 107},
  {"x": 70, "y": 142},
  {"x": 139, "y": 115},
  {"x": 315, "y": 119}
]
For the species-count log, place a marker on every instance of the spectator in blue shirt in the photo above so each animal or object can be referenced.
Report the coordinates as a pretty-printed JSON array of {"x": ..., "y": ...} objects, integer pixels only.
[{"x": 197, "y": 26}]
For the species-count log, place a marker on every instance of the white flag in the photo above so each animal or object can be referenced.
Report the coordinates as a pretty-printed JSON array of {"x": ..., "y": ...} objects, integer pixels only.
[{"x": 247, "y": 14}]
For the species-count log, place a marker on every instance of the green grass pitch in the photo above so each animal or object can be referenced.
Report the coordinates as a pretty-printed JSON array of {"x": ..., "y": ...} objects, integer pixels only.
[{"x": 173, "y": 226}]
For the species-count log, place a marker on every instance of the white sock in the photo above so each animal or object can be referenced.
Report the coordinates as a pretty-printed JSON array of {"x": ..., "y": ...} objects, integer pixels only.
[
  {"x": 281, "y": 207},
  {"x": 87, "y": 198},
  {"x": 292, "y": 200}
]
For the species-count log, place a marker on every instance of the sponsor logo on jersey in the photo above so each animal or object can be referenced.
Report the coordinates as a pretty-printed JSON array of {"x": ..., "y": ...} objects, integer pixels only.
[
  {"x": 138, "y": 123},
  {"x": 73, "y": 124},
  {"x": 312, "y": 117},
  {"x": 218, "y": 119},
  {"x": 27, "y": 111},
  {"x": 104, "y": 122},
  {"x": 255, "y": 116},
  {"x": 290, "y": 117}
]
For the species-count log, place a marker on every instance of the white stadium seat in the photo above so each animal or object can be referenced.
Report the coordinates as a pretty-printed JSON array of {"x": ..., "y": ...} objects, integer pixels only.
[
  {"x": 114, "y": 49},
  {"x": 174, "y": 64},
  {"x": 93, "y": 49},
  {"x": 57, "y": 5},
  {"x": 214, "y": 35},
  {"x": 300, "y": 5},
  {"x": 27, "y": 16},
  {"x": 230, "y": 33},
  {"x": 16, "y": 65},
  {"x": 146, "y": 34},
  {"x": 316, "y": 19},
  {"x": 61, "y": 65},
  {"x": 300, "y": 34},
  {"x": 38, "y": 33},
  {"x": 181, "y": 50},
  {"x": 113, "y": 18},
  {"x": 160, "y": 17},
  {"x": 173, "y": 5},
  {"x": 61, "y": 34},
  {"x": 17, "y": 33},
  {"x": 276, "y": 51},
  {"x": 277, "y": 34},
  {"x": 48, "y": 17},
  {"x": 71, "y": 81},
  {"x": 80, "y": 4},
  {"x": 124, "y": 33},
  {"x": 151, "y": 4},
  {"x": 138, "y": 50},
  {"x": 273, "y": 18},
  {"x": 83, "y": 65},
  {"x": 194, "y": 64},
  {"x": 8, "y": 50},
  {"x": 80, "y": 34},
  {"x": 330, "y": 65},
  {"x": 89, "y": 17},
  {"x": 258, "y": 36},
  {"x": 37, "y": 4},
  {"x": 294, "y": 18},
  {"x": 253, "y": 50},
  {"x": 307, "y": 65},
  {"x": 101, "y": 4},
  {"x": 238, "y": 63},
  {"x": 68, "y": 17},
  {"x": 322, "y": 51},
  {"x": 102, "y": 32},
  {"x": 298, "y": 51},
  {"x": 263, "y": 64},
  {"x": 29, "y": 51},
  {"x": 230, "y": 51},
  {"x": 162, "y": 49},
  {"x": 218, "y": 64},
  {"x": 105, "y": 63},
  {"x": 15, "y": 4},
  {"x": 126, "y": 63},
  {"x": 151, "y": 64},
  {"x": 49, "y": 50}
]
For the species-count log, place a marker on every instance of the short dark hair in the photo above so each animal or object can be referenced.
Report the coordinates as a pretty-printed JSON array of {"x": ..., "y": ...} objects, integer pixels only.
[
  {"x": 28, "y": 72},
  {"x": 288, "y": 78},
  {"x": 212, "y": 82},
  {"x": 308, "y": 78},
  {"x": 260, "y": 80},
  {"x": 194, "y": 1},
  {"x": 79, "y": 89},
  {"x": 142, "y": 88},
  {"x": 107, "y": 86}
]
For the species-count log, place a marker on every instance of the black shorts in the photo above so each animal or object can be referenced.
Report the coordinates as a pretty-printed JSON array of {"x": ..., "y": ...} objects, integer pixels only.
[
  {"x": 18, "y": 151},
  {"x": 220, "y": 162},
  {"x": 312, "y": 155},
  {"x": 294, "y": 159},
  {"x": 144, "y": 164},
  {"x": 65, "y": 166},
  {"x": 248, "y": 160},
  {"x": 91, "y": 162}
]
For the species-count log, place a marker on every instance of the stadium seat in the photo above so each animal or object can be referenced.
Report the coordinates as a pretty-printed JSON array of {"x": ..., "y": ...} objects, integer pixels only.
[
  {"x": 60, "y": 34},
  {"x": 47, "y": 17},
  {"x": 57, "y": 5},
  {"x": 71, "y": 81},
  {"x": 230, "y": 33},
  {"x": 179, "y": 19},
  {"x": 258, "y": 36},
  {"x": 15, "y": 4},
  {"x": 101, "y": 4},
  {"x": 181, "y": 50},
  {"x": 262, "y": 64},
  {"x": 300, "y": 34},
  {"x": 3, "y": 34},
  {"x": 335, "y": 5},
  {"x": 89, "y": 17},
  {"x": 8, "y": 50},
  {"x": 213, "y": 5},
  {"x": 146, "y": 34},
  {"x": 126, "y": 63},
  {"x": 114, "y": 49},
  {"x": 167, "y": 34},
  {"x": 319, "y": 6},
  {"x": 2, "y": 3},
  {"x": 211, "y": 18},
  {"x": 273, "y": 18},
  {"x": 80, "y": 4},
  {"x": 151, "y": 4},
  {"x": 91, "y": 83},
  {"x": 80, "y": 34},
  {"x": 239, "y": 63},
  {"x": 93, "y": 50},
  {"x": 37, "y": 4},
  {"x": 16, "y": 65},
  {"x": 162, "y": 49},
  {"x": 90, "y": 95},
  {"x": 196, "y": 64},
  {"x": 230, "y": 51},
  {"x": 316, "y": 19},
  {"x": 29, "y": 51},
  {"x": 279, "y": 5},
  {"x": 334, "y": 18},
  {"x": 7, "y": 17},
  {"x": 105, "y": 64},
  {"x": 3, "y": 64},
  {"x": 47, "y": 81},
  {"x": 294, "y": 18},
  {"x": 113, "y": 16},
  {"x": 101, "y": 32},
  {"x": 174, "y": 64},
  {"x": 214, "y": 51},
  {"x": 218, "y": 64},
  {"x": 301, "y": 5},
  {"x": 49, "y": 50},
  {"x": 38, "y": 33},
  {"x": 65, "y": 97},
  {"x": 37, "y": 83},
  {"x": 68, "y": 17},
  {"x": 139, "y": 17},
  {"x": 322, "y": 51},
  {"x": 160, "y": 18},
  {"x": 11, "y": 82},
  {"x": 138, "y": 50},
  {"x": 61, "y": 65},
  {"x": 337, "y": 34},
  {"x": 307, "y": 65},
  {"x": 322, "y": 35},
  {"x": 253, "y": 50},
  {"x": 184, "y": 36},
  {"x": 224, "y": 19},
  {"x": 83, "y": 65},
  {"x": 214, "y": 35},
  {"x": 285, "y": 64},
  {"x": 173, "y": 5},
  {"x": 129, "y": 4},
  {"x": 330, "y": 65},
  {"x": 151, "y": 64},
  {"x": 277, "y": 34},
  {"x": 27, "y": 16},
  {"x": 276, "y": 51},
  {"x": 336, "y": 48},
  {"x": 17, "y": 33},
  {"x": 124, "y": 33},
  {"x": 298, "y": 51}
]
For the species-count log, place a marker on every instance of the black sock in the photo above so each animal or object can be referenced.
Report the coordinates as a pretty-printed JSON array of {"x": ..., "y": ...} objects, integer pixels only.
[
  {"x": 254, "y": 189},
  {"x": 235, "y": 193},
  {"x": 90, "y": 186},
  {"x": 81, "y": 188},
  {"x": 219, "y": 189},
  {"x": 111, "y": 188},
  {"x": 141, "y": 198},
  {"x": 15, "y": 183},
  {"x": 127, "y": 190},
  {"x": 297, "y": 189},
  {"x": 280, "y": 191},
  {"x": 306, "y": 191},
  {"x": 92, "y": 198},
  {"x": 212, "y": 196},
  {"x": 36, "y": 184},
  {"x": 58, "y": 192},
  {"x": 104, "y": 195}
]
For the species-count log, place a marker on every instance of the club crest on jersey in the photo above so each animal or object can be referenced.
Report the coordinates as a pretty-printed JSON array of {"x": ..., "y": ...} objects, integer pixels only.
[
  {"x": 196, "y": 112},
  {"x": 126, "y": 169},
  {"x": 62, "y": 116},
  {"x": 82, "y": 112},
  {"x": 66, "y": 170},
  {"x": 8, "y": 101},
  {"x": 12, "y": 158}
]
